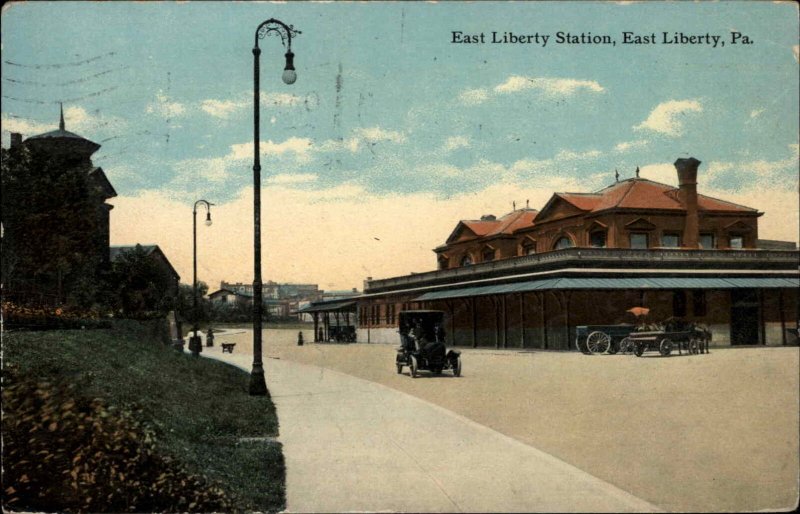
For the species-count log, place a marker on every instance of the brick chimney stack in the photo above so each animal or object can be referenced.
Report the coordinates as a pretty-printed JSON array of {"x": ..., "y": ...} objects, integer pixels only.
[
  {"x": 16, "y": 139},
  {"x": 687, "y": 181}
]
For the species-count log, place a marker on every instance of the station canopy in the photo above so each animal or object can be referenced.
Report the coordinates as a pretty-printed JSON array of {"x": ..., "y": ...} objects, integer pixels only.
[
  {"x": 591, "y": 283},
  {"x": 332, "y": 306}
]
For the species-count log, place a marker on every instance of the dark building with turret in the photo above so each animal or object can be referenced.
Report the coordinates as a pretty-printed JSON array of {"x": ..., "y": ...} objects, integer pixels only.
[{"x": 50, "y": 158}]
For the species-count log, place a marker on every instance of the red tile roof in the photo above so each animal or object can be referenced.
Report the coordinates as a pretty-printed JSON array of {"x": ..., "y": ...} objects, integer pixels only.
[
  {"x": 644, "y": 194},
  {"x": 505, "y": 225}
]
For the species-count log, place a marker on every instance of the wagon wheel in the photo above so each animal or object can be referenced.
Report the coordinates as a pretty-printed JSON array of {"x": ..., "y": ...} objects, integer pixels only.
[
  {"x": 580, "y": 345},
  {"x": 626, "y": 345},
  {"x": 457, "y": 367},
  {"x": 413, "y": 367},
  {"x": 598, "y": 342},
  {"x": 665, "y": 348}
]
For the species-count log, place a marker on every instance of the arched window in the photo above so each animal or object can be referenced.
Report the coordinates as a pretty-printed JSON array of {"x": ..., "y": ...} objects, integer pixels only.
[
  {"x": 466, "y": 260},
  {"x": 488, "y": 254},
  {"x": 563, "y": 242}
]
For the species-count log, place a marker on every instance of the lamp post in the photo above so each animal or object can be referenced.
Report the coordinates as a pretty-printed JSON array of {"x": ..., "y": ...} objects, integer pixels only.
[
  {"x": 258, "y": 384},
  {"x": 194, "y": 341}
]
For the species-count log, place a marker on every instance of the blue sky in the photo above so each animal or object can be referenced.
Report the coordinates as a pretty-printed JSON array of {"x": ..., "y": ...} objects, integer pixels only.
[{"x": 390, "y": 121}]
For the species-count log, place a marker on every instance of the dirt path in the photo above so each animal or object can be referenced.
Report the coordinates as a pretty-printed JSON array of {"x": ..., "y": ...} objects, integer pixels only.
[{"x": 714, "y": 432}]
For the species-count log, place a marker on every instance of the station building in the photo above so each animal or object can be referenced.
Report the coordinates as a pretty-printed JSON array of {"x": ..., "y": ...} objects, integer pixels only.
[{"x": 528, "y": 278}]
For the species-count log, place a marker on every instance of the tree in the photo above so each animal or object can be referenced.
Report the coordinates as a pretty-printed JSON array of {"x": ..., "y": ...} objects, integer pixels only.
[
  {"x": 50, "y": 222},
  {"x": 185, "y": 304},
  {"x": 143, "y": 287}
]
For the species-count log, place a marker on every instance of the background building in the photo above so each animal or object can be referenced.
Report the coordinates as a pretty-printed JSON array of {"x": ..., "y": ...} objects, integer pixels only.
[{"x": 527, "y": 279}]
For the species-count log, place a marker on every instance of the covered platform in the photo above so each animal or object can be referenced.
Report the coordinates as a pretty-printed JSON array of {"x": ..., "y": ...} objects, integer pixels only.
[{"x": 334, "y": 320}]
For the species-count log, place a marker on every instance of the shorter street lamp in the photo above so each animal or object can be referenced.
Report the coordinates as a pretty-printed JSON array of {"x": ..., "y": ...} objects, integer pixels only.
[{"x": 194, "y": 342}]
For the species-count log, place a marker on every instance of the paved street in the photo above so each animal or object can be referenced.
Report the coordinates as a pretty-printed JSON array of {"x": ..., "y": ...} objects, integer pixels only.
[
  {"x": 711, "y": 432},
  {"x": 354, "y": 445}
]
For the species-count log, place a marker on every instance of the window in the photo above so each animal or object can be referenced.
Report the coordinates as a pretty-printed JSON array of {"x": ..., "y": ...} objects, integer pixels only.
[
  {"x": 639, "y": 240},
  {"x": 466, "y": 260},
  {"x": 699, "y": 306},
  {"x": 528, "y": 247},
  {"x": 597, "y": 239},
  {"x": 737, "y": 242},
  {"x": 679, "y": 304},
  {"x": 488, "y": 254},
  {"x": 706, "y": 241},
  {"x": 670, "y": 240},
  {"x": 563, "y": 242}
]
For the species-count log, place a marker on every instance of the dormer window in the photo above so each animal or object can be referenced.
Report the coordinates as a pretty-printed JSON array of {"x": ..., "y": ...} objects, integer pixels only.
[
  {"x": 706, "y": 241},
  {"x": 488, "y": 254},
  {"x": 638, "y": 240},
  {"x": 670, "y": 240},
  {"x": 466, "y": 260},
  {"x": 737, "y": 242},
  {"x": 444, "y": 262},
  {"x": 563, "y": 242},
  {"x": 597, "y": 239},
  {"x": 528, "y": 247}
]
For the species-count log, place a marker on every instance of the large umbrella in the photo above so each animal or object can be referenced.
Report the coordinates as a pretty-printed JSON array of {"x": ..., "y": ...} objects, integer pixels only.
[{"x": 639, "y": 311}]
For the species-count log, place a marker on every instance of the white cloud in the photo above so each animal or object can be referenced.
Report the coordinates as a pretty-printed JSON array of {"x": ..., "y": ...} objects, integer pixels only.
[
  {"x": 225, "y": 109},
  {"x": 549, "y": 86},
  {"x": 667, "y": 117},
  {"x": 361, "y": 136},
  {"x": 221, "y": 108},
  {"x": 25, "y": 127},
  {"x": 474, "y": 96},
  {"x": 630, "y": 145},
  {"x": 165, "y": 108},
  {"x": 455, "y": 142},
  {"x": 292, "y": 178},
  {"x": 375, "y": 134},
  {"x": 300, "y": 147}
]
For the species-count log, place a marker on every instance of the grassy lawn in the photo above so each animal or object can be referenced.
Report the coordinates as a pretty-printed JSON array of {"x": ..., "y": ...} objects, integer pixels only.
[{"x": 198, "y": 408}]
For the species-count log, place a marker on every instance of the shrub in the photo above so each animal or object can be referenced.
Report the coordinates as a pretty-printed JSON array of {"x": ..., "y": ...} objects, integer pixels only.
[{"x": 68, "y": 453}]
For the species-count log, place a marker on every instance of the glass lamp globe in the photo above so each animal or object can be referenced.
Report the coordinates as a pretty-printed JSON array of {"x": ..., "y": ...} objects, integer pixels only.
[{"x": 289, "y": 76}]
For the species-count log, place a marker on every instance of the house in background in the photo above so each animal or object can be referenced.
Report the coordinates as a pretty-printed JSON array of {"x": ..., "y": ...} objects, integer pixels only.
[{"x": 155, "y": 253}]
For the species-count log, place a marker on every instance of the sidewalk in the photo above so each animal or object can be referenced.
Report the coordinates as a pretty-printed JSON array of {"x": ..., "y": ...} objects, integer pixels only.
[{"x": 354, "y": 445}]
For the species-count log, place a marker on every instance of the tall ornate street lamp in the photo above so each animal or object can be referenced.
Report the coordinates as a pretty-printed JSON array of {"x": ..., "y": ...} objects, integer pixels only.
[
  {"x": 258, "y": 384},
  {"x": 194, "y": 342}
]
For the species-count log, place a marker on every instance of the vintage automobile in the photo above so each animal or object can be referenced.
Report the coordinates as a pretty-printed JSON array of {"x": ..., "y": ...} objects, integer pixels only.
[{"x": 422, "y": 344}]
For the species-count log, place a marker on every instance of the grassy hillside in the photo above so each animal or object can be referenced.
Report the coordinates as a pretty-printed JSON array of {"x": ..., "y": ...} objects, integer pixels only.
[{"x": 198, "y": 409}]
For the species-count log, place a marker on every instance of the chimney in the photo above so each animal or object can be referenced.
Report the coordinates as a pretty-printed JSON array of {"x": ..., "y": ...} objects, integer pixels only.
[
  {"x": 16, "y": 140},
  {"x": 488, "y": 217},
  {"x": 687, "y": 182}
]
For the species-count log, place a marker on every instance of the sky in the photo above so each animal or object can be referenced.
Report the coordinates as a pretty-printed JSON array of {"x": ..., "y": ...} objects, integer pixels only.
[{"x": 393, "y": 132}]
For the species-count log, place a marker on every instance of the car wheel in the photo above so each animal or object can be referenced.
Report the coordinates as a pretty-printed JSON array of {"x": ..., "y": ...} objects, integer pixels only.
[
  {"x": 457, "y": 368},
  {"x": 413, "y": 367},
  {"x": 665, "y": 348},
  {"x": 598, "y": 342},
  {"x": 626, "y": 345}
]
